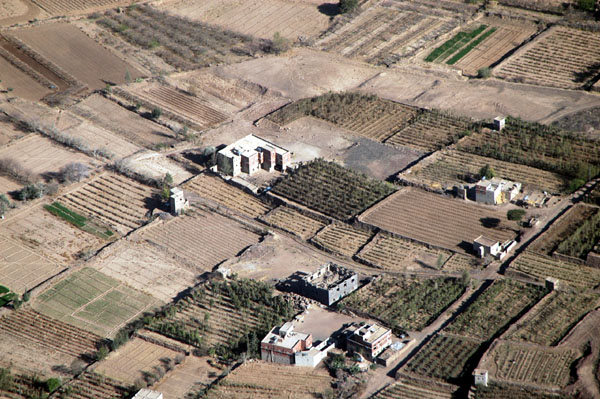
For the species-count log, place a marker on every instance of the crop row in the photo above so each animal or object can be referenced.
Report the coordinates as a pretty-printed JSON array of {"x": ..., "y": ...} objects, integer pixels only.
[
  {"x": 342, "y": 239},
  {"x": 293, "y": 222},
  {"x": 496, "y": 390}
]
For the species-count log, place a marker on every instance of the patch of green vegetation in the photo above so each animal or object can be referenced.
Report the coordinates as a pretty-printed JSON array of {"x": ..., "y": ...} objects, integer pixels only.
[
  {"x": 450, "y": 46},
  {"x": 79, "y": 221},
  {"x": 470, "y": 47},
  {"x": 583, "y": 240}
]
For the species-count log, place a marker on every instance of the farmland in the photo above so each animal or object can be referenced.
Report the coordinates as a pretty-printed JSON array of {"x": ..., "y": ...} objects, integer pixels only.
[
  {"x": 445, "y": 222},
  {"x": 342, "y": 239},
  {"x": 398, "y": 254},
  {"x": 460, "y": 262},
  {"x": 115, "y": 200},
  {"x": 539, "y": 146},
  {"x": 452, "y": 50},
  {"x": 215, "y": 190},
  {"x": 64, "y": 7},
  {"x": 293, "y": 222},
  {"x": 134, "y": 360},
  {"x": 366, "y": 115},
  {"x": 52, "y": 334},
  {"x": 494, "y": 308},
  {"x": 530, "y": 364},
  {"x": 551, "y": 319},
  {"x": 74, "y": 52},
  {"x": 539, "y": 267},
  {"x": 560, "y": 57},
  {"x": 22, "y": 83},
  {"x": 265, "y": 380},
  {"x": 584, "y": 239},
  {"x": 444, "y": 357},
  {"x": 222, "y": 314},
  {"x": 221, "y": 239},
  {"x": 406, "y": 390},
  {"x": 90, "y": 385},
  {"x": 432, "y": 130},
  {"x": 93, "y": 301},
  {"x": 194, "y": 373},
  {"x": 146, "y": 268},
  {"x": 496, "y": 390},
  {"x": 129, "y": 125},
  {"x": 391, "y": 31},
  {"x": 180, "y": 42},
  {"x": 290, "y": 19},
  {"x": 188, "y": 109},
  {"x": 450, "y": 167},
  {"x": 331, "y": 189},
  {"x": 22, "y": 269},
  {"x": 405, "y": 304}
]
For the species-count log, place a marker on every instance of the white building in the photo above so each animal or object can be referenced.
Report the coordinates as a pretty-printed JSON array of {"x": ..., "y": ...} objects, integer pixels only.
[
  {"x": 484, "y": 246},
  {"x": 481, "y": 377},
  {"x": 499, "y": 123},
  {"x": 313, "y": 356},
  {"x": 148, "y": 394},
  {"x": 496, "y": 191},
  {"x": 177, "y": 202},
  {"x": 251, "y": 153}
]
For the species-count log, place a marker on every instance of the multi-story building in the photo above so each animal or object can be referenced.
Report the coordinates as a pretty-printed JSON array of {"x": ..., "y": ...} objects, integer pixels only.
[
  {"x": 496, "y": 191},
  {"x": 329, "y": 284},
  {"x": 250, "y": 154},
  {"x": 282, "y": 343},
  {"x": 369, "y": 340}
]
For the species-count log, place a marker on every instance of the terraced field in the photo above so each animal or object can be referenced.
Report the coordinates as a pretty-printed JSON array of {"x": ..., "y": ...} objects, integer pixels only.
[
  {"x": 494, "y": 308},
  {"x": 552, "y": 318},
  {"x": 450, "y": 167},
  {"x": 63, "y": 7},
  {"x": 261, "y": 380},
  {"x": 342, "y": 239},
  {"x": 405, "y": 304},
  {"x": 460, "y": 262},
  {"x": 407, "y": 390},
  {"x": 394, "y": 253},
  {"x": 561, "y": 57},
  {"x": 31, "y": 326},
  {"x": 293, "y": 222},
  {"x": 115, "y": 200},
  {"x": 540, "y": 267},
  {"x": 432, "y": 130},
  {"x": 216, "y": 190},
  {"x": 202, "y": 240},
  {"x": 496, "y": 390},
  {"x": 90, "y": 385}
]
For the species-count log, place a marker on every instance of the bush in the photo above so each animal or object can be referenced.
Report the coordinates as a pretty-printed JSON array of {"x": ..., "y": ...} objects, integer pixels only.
[
  {"x": 487, "y": 172},
  {"x": 515, "y": 214},
  {"x": 156, "y": 113},
  {"x": 101, "y": 353},
  {"x": 586, "y": 5},
  {"x": 279, "y": 44},
  {"x": 348, "y": 5},
  {"x": 16, "y": 171},
  {"x": 74, "y": 172},
  {"x": 52, "y": 384},
  {"x": 32, "y": 191},
  {"x": 484, "y": 73}
]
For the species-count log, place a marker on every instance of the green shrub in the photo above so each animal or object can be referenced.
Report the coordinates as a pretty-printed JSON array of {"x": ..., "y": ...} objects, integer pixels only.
[
  {"x": 484, "y": 73},
  {"x": 52, "y": 384},
  {"x": 101, "y": 353},
  {"x": 586, "y": 5},
  {"x": 515, "y": 214},
  {"x": 156, "y": 113},
  {"x": 487, "y": 171},
  {"x": 347, "y": 5}
]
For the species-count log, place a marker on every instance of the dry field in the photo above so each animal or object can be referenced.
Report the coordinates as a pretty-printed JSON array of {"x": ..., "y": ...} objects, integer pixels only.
[
  {"x": 12, "y": 8},
  {"x": 115, "y": 200},
  {"x": 145, "y": 268},
  {"x": 70, "y": 7},
  {"x": 292, "y": 221},
  {"x": 495, "y": 390},
  {"x": 133, "y": 360},
  {"x": 256, "y": 18},
  {"x": 21, "y": 269},
  {"x": 561, "y": 57},
  {"x": 540, "y": 266},
  {"x": 553, "y": 317},
  {"x": 129, "y": 125},
  {"x": 8, "y": 130},
  {"x": 398, "y": 254},
  {"x": 494, "y": 308},
  {"x": 90, "y": 385},
  {"x": 460, "y": 262},
  {"x": 155, "y": 166},
  {"x": 194, "y": 111},
  {"x": 201, "y": 239},
  {"x": 450, "y": 167},
  {"x": 432, "y": 130},
  {"x": 41, "y": 155},
  {"x": 93, "y": 301},
  {"x": 436, "y": 220},
  {"x": 73, "y": 51},
  {"x": 214, "y": 189},
  {"x": 529, "y": 364},
  {"x": 390, "y": 31},
  {"x": 7, "y": 185},
  {"x": 21, "y": 83},
  {"x": 414, "y": 390},
  {"x": 49, "y": 236},
  {"x": 273, "y": 381},
  {"x": 193, "y": 374},
  {"x": 342, "y": 239}
]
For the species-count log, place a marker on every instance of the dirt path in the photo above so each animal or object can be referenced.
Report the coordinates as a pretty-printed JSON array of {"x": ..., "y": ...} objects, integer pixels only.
[{"x": 33, "y": 12}]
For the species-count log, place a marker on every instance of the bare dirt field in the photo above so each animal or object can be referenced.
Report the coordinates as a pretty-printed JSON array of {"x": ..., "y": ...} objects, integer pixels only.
[
  {"x": 7, "y": 185},
  {"x": 66, "y": 7},
  {"x": 437, "y": 220},
  {"x": 8, "y": 131},
  {"x": 342, "y": 239},
  {"x": 193, "y": 374},
  {"x": 155, "y": 166},
  {"x": 221, "y": 239},
  {"x": 560, "y": 57},
  {"x": 12, "y": 8},
  {"x": 19, "y": 83},
  {"x": 41, "y": 155},
  {"x": 301, "y": 73},
  {"x": 293, "y": 222},
  {"x": 322, "y": 323},
  {"x": 49, "y": 236},
  {"x": 255, "y": 18},
  {"x": 145, "y": 268},
  {"x": 129, "y": 125},
  {"x": 133, "y": 360},
  {"x": 72, "y": 50},
  {"x": 18, "y": 11},
  {"x": 21, "y": 269}
]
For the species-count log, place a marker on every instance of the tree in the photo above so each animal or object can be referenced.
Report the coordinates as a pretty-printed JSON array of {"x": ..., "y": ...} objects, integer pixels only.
[
  {"x": 52, "y": 384},
  {"x": 347, "y": 5},
  {"x": 586, "y": 5},
  {"x": 279, "y": 44},
  {"x": 4, "y": 204},
  {"x": 156, "y": 113},
  {"x": 487, "y": 172},
  {"x": 466, "y": 278},
  {"x": 484, "y": 73},
  {"x": 515, "y": 214},
  {"x": 74, "y": 172}
]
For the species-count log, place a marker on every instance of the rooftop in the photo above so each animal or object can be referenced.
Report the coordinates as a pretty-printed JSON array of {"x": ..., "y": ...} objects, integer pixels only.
[
  {"x": 328, "y": 275},
  {"x": 370, "y": 333},
  {"x": 488, "y": 242},
  {"x": 147, "y": 394},
  {"x": 284, "y": 336},
  {"x": 249, "y": 145}
]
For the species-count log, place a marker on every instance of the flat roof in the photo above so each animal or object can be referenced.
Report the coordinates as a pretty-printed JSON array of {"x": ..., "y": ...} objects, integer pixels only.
[
  {"x": 329, "y": 275},
  {"x": 370, "y": 333},
  {"x": 488, "y": 242},
  {"x": 147, "y": 394},
  {"x": 249, "y": 144},
  {"x": 288, "y": 341}
]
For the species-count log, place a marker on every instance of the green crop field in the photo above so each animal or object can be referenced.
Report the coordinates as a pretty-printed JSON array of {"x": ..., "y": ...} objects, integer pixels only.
[
  {"x": 459, "y": 45},
  {"x": 93, "y": 301},
  {"x": 57, "y": 209}
]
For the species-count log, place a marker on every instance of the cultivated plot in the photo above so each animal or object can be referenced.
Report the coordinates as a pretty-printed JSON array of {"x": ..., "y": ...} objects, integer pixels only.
[
  {"x": 342, "y": 239},
  {"x": 193, "y": 374},
  {"x": 21, "y": 269},
  {"x": 437, "y": 220},
  {"x": 560, "y": 57},
  {"x": 66, "y": 7},
  {"x": 93, "y": 301},
  {"x": 294, "y": 222},
  {"x": 154, "y": 166},
  {"x": 135, "y": 359},
  {"x": 201, "y": 239},
  {"x": 73, "y": 51},
  {"x": 7, "y": 185},
  {"x": 19, "y": 82},
  {"x": 412, "y": 389},
  {"x": 256, "y": 18},
  {"x": 92, "y": 385}
]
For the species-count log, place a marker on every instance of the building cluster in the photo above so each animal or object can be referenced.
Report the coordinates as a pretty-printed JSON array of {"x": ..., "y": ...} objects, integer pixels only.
[
  {"x": 370, "y": 340},
  {"x": 251, "y": 154},
  {"x": 496, "y": 191},
  {"x": 330, "y": 283}
]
